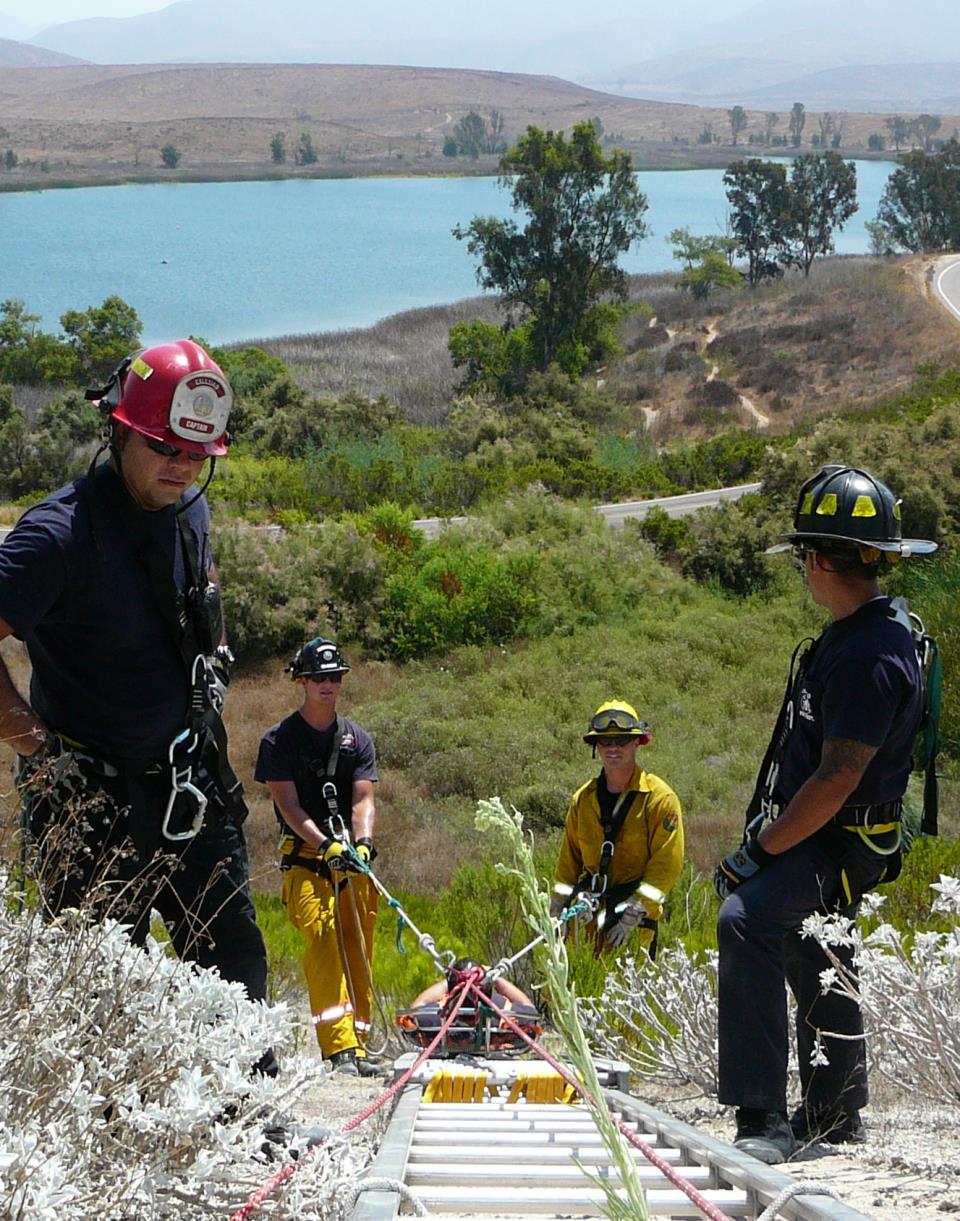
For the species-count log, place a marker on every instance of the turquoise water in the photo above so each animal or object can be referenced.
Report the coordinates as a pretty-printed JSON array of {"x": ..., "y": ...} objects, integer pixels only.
[{"x": 239, "y": 260}]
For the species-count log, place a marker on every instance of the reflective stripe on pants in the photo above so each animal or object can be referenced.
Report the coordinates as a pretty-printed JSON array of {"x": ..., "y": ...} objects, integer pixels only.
[{"x": 315, "y": 906}]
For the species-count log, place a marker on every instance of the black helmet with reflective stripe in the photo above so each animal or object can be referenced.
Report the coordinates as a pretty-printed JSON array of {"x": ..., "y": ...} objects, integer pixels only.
[
  {"x": 845, "y": 505},
  {"x": 318, "y": 656}
]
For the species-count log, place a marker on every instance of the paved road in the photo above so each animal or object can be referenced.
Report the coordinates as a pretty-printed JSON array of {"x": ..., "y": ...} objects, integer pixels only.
[
  {"x": 946, "y": 282},
  {"x": 613, "y": 514},
  {"x": 617, "y": 514}
]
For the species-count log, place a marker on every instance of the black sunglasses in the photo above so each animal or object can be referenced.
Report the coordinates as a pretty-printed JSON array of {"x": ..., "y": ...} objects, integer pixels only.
[
  {"x": 616, "y": 739},
  {"x": 172, "y": 451},
  {"x": 325, "y": 678}
]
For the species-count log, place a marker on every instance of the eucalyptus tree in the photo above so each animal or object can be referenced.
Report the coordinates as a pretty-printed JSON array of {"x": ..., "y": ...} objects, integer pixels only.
[{"x": 558, "y": 274}]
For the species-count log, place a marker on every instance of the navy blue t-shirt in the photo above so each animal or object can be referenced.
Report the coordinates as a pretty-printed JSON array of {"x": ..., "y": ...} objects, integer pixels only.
[
  {"x": 293, "y": 750},
  {"x": 106, "y": 670},
  {"x": 863, "y": 683}
]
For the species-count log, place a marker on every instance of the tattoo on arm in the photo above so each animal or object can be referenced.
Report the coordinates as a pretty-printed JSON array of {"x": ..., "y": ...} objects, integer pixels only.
[{"x": 841, "y": 756}]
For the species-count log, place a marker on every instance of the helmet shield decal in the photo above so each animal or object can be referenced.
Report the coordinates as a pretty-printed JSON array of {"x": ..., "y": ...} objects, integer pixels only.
[{"x": 201, "y": 406}]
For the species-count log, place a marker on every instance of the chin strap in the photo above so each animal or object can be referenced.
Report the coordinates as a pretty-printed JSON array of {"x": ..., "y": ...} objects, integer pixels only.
[{"x": 200, "y": 491}]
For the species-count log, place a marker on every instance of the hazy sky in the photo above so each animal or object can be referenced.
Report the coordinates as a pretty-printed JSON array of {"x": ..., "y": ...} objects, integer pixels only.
[{"x": 37, "y": 14}]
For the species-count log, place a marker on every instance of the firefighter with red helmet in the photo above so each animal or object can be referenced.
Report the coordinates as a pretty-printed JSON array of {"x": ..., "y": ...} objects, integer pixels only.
[
  {"x": 623, "y": 836},
  {"x": 321, "y": 769},
  {"x": 110, "y": 584}
]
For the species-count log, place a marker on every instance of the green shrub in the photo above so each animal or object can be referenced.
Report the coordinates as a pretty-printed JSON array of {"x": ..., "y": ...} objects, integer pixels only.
[
  {"x": 272, "y": 590},
  {"x": 462, "y": 594},
  {"x": 672, "y": 537},
  {"x": 728, "y": 550}
]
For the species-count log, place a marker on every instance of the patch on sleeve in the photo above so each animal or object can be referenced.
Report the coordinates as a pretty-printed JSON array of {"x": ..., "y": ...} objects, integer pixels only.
[{"x": 670, "y": 822}]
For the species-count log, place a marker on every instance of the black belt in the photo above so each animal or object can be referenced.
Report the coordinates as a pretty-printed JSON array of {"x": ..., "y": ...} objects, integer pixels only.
[
  {"x": 312, "y": 863},
  {"x": 854, "y": 816},
  {"x": 869, "y": 816}
]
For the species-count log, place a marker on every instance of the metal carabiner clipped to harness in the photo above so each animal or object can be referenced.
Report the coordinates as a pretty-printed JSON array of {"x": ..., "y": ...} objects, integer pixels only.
[
  {"x": 181, "y": 781},
  {"x": 599, "y": 880}
]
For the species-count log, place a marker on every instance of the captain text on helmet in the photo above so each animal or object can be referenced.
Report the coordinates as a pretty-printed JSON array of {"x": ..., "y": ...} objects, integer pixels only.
[
  {"x": 111, "y": 585},
  {"x": 823, "y": 826},
  {"x": 622, "y": 847},
  {"x": 321, "y": 769}
]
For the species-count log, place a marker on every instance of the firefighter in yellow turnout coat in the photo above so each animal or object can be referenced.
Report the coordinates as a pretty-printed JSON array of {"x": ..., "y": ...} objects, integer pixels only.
[
  {"x": 321, "y": 769},
  {"x": 623, "y": 835}
]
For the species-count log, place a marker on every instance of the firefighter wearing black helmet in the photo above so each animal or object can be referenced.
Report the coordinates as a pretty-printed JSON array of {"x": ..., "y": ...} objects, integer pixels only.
[
  {"x": 321, "y": 769},
  {"x": 823, "y": 826}
]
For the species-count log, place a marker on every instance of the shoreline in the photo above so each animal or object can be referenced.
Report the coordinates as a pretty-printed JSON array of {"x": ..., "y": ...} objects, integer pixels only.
[{"x": 666, "y": 159}]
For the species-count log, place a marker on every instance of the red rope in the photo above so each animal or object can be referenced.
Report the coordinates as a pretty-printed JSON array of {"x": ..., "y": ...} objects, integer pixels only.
[
  {"x": 470, "y": 984},
  {"x": 287, "y": 1172},
  {"x": 700, "y": 1201}
]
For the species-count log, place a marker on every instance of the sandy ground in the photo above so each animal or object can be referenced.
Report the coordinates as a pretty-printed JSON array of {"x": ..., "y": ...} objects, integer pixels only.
[{"x": 908, "y": 1169}]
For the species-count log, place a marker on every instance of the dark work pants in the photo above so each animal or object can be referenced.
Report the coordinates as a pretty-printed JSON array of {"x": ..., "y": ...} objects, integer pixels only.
[
  {"x": 84, "y": 830},
  {"x": 761, "y": 949}
]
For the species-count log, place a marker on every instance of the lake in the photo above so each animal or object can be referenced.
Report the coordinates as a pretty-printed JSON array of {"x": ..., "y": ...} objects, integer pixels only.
[{"x": 239, "y": 260}]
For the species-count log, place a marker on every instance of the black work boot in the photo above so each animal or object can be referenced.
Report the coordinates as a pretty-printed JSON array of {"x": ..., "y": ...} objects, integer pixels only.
[
  {"x": 765, "y": 1135},
  {"x": 345, "y": 1062},
  {"x": 368, "y": 1068},
  {"x": 838, "y": 1128}
]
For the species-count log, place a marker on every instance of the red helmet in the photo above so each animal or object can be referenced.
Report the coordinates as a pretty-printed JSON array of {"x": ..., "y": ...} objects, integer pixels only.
[{"x": 174, "y": 393}]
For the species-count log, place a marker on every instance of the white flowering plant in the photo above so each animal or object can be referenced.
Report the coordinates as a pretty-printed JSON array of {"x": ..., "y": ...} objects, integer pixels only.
[
  {"x": 126, "y": 1082},
  {"x": 660, "y": 1017},
  {"x": 908, "y": 987}
]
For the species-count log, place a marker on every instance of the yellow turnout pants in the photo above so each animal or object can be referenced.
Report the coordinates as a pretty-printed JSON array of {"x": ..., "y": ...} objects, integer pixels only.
[{"x": 340, "y": 992}]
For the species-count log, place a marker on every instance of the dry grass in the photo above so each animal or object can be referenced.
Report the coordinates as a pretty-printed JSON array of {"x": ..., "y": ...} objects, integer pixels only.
[
  {"x": 107, "y": 122},
  {"x": 849, "y": 337},
  {"x": 404, "y": 357}
]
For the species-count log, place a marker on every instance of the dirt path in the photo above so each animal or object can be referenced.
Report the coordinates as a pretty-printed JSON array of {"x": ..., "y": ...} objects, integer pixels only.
[{"x": 747, "y": 406}]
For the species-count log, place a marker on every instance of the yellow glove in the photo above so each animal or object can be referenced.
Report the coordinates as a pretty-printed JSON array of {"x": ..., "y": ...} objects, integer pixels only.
[
  {"x": 363, "y": 852},
  {"x": 333, "y": 854}
]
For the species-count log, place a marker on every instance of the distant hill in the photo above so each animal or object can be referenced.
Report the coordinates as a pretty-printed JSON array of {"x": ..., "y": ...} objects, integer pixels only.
[
  {"x": 22, "y": 55},
  {"x": 102, "y": 122},
  {"x": 13, "y": 27},
  {"x": 769, "y": 50},
  {"x": 933, "y": 88},
  {"x": 722, "y": 78}
]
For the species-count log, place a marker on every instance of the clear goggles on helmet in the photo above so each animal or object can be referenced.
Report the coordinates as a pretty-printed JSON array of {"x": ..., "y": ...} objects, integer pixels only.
[{"x": 612, "y": 719}]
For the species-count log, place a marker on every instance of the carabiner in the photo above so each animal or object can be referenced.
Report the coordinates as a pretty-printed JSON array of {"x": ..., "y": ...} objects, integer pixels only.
[
  {"x": 181, "y": 781},
  {"x": 185, "y": 786}
]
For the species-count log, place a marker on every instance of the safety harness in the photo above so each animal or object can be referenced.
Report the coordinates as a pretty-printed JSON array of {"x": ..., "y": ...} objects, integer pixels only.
[
  {"x": 875, "y": 824},
  {"x": 597, "y": 883},
  {"x": 200, "y": 771},
  {"x": 881, "y": 816},
  {"x": 309, "y": 767}
]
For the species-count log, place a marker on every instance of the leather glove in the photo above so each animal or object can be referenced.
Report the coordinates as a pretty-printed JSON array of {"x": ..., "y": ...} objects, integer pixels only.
[
  {"x": 365, "y": 850},
  {"x": 630, "y": 917},
  {"x": 556, "y": 906},
  {"x": 335, "y": 855},
  {"x": 739, "y": 866}
]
